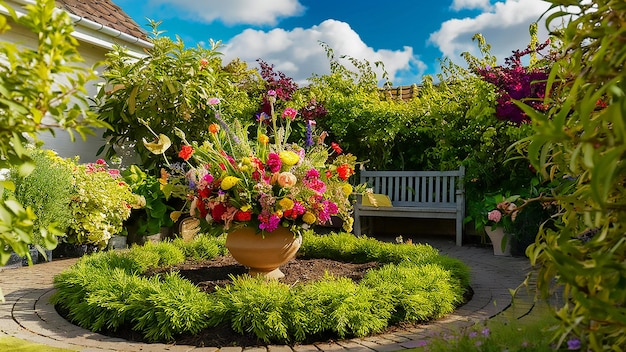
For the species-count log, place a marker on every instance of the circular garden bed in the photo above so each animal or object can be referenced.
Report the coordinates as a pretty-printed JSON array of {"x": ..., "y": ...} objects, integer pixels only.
[{"x": 192, "y": 293}]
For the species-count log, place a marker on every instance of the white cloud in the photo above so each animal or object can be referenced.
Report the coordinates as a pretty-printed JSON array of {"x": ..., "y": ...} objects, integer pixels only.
[
  {"x": 504, "y": 26},
  {"x": 458, "y": 5},
  {"x": 230, "y": 12},
  {"x": 298, "y": 54}
]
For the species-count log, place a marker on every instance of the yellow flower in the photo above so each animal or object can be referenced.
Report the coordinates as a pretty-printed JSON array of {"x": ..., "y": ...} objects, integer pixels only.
[
  {"x": 289, "y": 158},
  {"x": 309, "y": 218},
  {"x": 160, "y": 146},
  {"x": 286, "y": 203},
  {"x": 246, "y": 207},
  {"x": 263, "y": 139},
  {"x": 347, "y": 189},
  {"x": 229, "y": 182},
  {"x": 175, "y": 215},
  {"x": 347, "y": 224}
]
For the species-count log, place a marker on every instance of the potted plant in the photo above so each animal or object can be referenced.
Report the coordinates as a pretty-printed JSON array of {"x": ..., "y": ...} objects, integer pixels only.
[
  {"x": 494, "y": 216},
  {"x": 262, "y": 188}
]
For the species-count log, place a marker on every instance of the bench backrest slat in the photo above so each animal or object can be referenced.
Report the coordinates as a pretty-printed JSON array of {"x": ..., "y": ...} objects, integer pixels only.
[{"x": 415, "y": 188}]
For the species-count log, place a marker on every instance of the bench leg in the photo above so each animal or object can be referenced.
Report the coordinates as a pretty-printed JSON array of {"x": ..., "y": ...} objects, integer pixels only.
[
  {"x": 357, "y": 225},
  {"x": 459, "y": 231}
]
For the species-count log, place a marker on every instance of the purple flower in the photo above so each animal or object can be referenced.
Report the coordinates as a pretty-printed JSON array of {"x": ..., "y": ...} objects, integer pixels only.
[
  {"x": 309, "y": 134},
  {"x": 573, "y": 344},
  {"x": 486, "y": 332}
]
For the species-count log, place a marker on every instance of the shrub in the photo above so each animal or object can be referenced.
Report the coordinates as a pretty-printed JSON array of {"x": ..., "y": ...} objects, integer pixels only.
[
  {"x": 160, "y": 307},
  {"x": 45, "y": 81},
  {"x": 202, "y": 247},
  {"x": 100, "y": 204},
  {"x": 48, "y": 192},
  {"x": 417, "y": 293},
  {"x": 580, "y": 144},
  {"x": 167, "y": 89}
]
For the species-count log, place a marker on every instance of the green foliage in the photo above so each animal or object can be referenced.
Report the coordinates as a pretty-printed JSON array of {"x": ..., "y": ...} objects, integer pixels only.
[
  {"x": 100, "y": 204},
  {"x": 154, "y": 211},
  {"x": 48, "y": 192},
  {"x": 416, "y": 293},
  {"x": 171, "y": 305},
  {"x": 168, "y": 89},
  {"x": 342, "y": 306},
  {"x": 107, "y": 290},
  {"x": 202, "y": 247},
  {"x": 359, "y": 117},
  {"x": 257, "y": 307},
  {"x": 581, "y": 142},
  {"x": 168, "y": 253},
  {"x": 347, "y": 247},
  {"x": 46, "y": 81}
]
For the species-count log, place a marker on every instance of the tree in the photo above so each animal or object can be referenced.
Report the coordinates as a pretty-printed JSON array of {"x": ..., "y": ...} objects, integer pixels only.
[{"x": 40, "y": 90}]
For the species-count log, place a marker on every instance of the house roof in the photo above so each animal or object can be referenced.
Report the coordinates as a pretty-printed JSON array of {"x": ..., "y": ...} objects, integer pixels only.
[{"x": 104, "y": 12}]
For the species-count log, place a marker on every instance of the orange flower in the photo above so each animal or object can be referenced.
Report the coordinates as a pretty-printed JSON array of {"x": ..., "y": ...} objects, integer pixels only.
[
  {"x": 186, "y": 152},
  {"x": 214, "y": 128}
]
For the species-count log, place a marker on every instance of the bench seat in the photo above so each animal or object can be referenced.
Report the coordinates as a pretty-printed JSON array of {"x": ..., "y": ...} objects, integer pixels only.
[{"x": 414, "y": 194}]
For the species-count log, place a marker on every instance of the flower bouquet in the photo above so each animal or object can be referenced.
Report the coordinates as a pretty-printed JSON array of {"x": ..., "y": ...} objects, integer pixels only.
[{"x": 266, "y": 182}]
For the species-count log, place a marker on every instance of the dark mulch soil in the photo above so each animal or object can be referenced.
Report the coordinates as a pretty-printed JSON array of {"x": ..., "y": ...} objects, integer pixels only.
[{"x": 211, "y": 273}]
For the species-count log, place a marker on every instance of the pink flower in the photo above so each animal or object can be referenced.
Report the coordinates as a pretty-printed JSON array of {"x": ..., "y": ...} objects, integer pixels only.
[
  {"x": 213, "y": 101},
  {"x": 273, "y": 162},
  {"x": 268, "y": 223},
  {"x": 290, "y": 113},
  {"x": 494, "y": 215}
]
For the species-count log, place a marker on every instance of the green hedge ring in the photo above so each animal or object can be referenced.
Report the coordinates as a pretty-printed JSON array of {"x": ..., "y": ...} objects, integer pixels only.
[{"x": 414, "y": 283}]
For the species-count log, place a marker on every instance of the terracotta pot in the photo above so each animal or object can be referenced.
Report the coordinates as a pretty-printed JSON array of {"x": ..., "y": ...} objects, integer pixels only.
[
  {"x": 497, "y": 237},
  {"x": 263, "y": 254}
]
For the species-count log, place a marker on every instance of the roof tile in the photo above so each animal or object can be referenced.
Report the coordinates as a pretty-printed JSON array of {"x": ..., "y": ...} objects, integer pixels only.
[{"x": 104, "y": 12}]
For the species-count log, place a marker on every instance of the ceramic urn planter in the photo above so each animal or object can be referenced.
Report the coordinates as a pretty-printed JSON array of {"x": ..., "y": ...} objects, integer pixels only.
[{"x": 263, "y": 254}]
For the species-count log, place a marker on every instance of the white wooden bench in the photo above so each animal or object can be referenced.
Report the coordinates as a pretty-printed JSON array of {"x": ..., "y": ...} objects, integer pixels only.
[{"x": 415, "y": 194}]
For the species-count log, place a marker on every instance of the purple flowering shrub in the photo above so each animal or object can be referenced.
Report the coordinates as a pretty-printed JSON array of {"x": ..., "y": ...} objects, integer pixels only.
[{"x": 514, "y": 81}]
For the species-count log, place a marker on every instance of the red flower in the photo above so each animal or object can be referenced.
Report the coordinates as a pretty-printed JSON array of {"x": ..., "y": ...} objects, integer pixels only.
[
  {"x": 344, "y": 171},
  {"x": 218, "y": 210},
  {"x": 336, "y": 147},
  {"x": 202, "y": 207},
  {"x": 243, "y": 216},
  {"x": 186, "y": 152}
]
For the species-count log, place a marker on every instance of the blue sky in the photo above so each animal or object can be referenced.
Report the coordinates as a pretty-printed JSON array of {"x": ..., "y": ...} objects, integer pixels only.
[{"x": 408, "y": 36}]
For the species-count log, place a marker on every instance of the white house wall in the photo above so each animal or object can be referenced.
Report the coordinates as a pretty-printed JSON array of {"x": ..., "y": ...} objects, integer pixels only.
[{"x": 94, "y": 44}]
